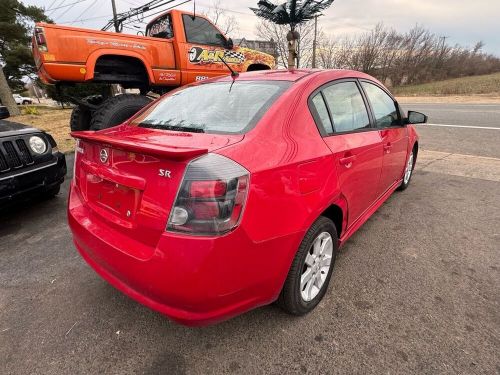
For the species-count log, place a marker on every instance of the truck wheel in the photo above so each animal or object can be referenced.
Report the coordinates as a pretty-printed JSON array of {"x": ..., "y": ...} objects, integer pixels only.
[
  {"x": 81, "y": 115},
  {"x": 117, "y": 109}
]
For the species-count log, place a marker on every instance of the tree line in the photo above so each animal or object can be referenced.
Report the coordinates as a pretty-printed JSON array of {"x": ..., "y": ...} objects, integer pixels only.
[{"x": 395, "y": 58}]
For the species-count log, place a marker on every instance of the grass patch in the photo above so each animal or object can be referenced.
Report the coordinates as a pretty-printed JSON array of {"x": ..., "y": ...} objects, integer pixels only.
[
  {"x": 30, "y": 110},
  {"x": 53, "y": 121},
  {"x": 488, "y": 84}
]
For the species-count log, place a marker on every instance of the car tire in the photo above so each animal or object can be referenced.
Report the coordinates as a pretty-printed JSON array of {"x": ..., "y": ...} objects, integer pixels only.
[
  {"x": 117, "y": 109},
  {"x": 81, "y": 116},
  {"x": 408, "y": 173},
  {"x": 299, "y": 297},
  {"x": 52, "y": 192},
  {"x": 25, "y": 102}
]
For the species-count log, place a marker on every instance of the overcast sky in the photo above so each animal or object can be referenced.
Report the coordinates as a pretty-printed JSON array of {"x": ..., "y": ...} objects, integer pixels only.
[{"x": 463, "y": 22}]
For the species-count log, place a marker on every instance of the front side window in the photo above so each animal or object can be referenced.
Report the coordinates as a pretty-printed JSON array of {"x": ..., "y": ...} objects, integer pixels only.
[
  {"x": 200, "y": 31},
  {"x": 383, "y": 106},
  {"x": 161, "y": 28},
  {"x": 219, "y": 107},
  {"x": 347, "y": 107}
]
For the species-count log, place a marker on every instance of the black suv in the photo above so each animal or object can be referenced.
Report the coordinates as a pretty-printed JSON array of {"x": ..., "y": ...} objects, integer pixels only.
[{"x": 30, "y": 163}]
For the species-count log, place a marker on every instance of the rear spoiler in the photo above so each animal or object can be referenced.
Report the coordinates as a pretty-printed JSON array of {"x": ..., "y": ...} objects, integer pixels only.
[{"x": 172, "y": 152}]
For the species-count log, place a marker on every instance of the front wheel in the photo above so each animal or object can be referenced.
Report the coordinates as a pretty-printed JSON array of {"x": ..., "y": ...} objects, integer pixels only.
[
  {"x": 410, "y": 164},
  {"x": 311, "y": 269}
]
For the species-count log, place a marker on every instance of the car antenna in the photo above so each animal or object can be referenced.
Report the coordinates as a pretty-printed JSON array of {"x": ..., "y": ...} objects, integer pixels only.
[
  {"x": 194, "y": 10},
  {"x": 234, "y": 74}
]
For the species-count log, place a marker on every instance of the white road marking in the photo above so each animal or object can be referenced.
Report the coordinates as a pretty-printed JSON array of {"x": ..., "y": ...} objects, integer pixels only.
[{"x": 462, "y": 126}]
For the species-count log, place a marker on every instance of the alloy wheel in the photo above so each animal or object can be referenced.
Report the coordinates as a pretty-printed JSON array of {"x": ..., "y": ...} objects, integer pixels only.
[
  {"x": 316, "y": 266},
  {"x": 409, "y": 169}
]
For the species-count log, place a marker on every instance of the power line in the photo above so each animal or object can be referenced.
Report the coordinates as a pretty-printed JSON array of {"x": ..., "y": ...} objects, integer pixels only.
[
  {"x": 50, "y": 6},
  {"x": 71, "y": 7},
  {"x": 86, "y": 9},
  {"x": 67, "y": 5},
  {"x": 86, "y": 19}
]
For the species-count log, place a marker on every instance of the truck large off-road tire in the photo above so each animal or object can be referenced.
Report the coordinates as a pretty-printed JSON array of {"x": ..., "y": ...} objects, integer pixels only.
[
  {"x": 117, "y": 109},
  {"x": 81, "y": 115}
]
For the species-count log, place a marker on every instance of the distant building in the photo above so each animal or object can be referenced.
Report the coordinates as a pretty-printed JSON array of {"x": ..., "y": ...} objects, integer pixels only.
[{"x": 266, "y": 46}]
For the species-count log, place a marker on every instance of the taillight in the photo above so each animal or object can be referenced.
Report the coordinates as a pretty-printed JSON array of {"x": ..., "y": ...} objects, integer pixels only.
[
  {"x": 211, "y": 197},
  {"x": 40, "y": 39}
]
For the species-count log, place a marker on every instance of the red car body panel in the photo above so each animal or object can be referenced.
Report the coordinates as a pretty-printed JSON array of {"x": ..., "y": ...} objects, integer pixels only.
[{"x": 295, "y": 175}]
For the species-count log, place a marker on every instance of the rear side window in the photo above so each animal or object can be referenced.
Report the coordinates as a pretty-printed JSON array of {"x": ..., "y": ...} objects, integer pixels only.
[
  {"x": 324, "y": 117},
  {"x": 161, "y": 28},
  {"x": 347, "y": 107},
  {"x": 200, "y": 31},
  {"x": 383, "y": 106},
  {"x": 219, "y": 107}
]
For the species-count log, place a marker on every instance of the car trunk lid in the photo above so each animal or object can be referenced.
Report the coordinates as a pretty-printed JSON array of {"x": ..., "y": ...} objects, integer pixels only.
[{"x": 129, "y": 176}]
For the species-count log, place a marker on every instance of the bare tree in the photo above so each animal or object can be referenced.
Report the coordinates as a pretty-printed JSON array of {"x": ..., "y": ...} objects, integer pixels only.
[
  {"x": 405, "y": 58},
  {"x": 219, "y": 16}
]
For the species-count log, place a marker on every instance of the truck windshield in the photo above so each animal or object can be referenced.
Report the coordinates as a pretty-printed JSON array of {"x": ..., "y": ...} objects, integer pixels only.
[{"x": 220, "y": 107}]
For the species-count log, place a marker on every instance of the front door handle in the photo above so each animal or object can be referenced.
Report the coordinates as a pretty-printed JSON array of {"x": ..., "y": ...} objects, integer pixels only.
[
  {"x": 347, "y": 160},
  {"x": 387, "y": 147}
]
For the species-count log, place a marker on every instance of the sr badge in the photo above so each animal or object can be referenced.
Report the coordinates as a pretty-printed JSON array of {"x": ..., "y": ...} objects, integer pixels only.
[{"x": 198, "y": 55}]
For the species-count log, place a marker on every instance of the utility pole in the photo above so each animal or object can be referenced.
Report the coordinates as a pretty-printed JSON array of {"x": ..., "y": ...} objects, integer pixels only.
[
  {"x": 115, "y": 20},
  {"x": 314, "y": 41}
]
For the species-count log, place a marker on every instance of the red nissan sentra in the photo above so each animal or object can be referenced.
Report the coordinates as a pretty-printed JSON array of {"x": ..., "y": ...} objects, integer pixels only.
[{"x": 224, "y": 196}]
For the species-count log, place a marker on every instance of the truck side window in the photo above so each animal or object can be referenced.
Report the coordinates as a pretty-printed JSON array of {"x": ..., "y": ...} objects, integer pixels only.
[
  {"x": 200, "y": 31},
  {"x": 161, "y": 28}
]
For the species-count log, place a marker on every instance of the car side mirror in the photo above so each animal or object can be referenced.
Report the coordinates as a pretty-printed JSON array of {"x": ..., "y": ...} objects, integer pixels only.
[
  {"x": 416, "y": 118},
  {"x": 229, "y": 43}
]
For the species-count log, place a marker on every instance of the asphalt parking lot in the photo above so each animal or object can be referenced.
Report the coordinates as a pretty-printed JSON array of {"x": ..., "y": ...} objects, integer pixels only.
[{"x": 415, "y": 290}]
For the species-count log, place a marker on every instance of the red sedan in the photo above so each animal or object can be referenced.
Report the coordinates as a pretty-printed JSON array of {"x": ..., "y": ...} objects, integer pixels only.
[{"x": 225, "y": 195}]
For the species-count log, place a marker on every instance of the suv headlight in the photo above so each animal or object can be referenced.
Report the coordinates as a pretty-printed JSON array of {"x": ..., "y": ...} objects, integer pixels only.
[{"x": 37, "y": 145}]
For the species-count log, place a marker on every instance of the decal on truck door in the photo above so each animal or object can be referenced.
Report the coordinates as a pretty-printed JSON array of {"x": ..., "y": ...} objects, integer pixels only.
[{"x": 199, "y": 55}]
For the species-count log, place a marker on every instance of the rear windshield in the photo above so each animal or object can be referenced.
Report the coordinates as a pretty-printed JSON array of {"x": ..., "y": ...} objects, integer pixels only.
[{"x": 220, "y": 107}]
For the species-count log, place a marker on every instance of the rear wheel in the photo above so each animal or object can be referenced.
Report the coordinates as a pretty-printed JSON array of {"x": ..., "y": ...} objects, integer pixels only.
[
  {"x": 117, "y": 109},
  {"x": 311, "y": 269},
  {"x": 81, "y": 115}
]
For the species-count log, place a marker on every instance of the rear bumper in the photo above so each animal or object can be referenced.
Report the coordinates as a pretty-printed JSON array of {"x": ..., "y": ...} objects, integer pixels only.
[
  {"x": 192, "y": 280},
  {"x": 33, "y": 180},
  {"x": 51, "y": 73}
]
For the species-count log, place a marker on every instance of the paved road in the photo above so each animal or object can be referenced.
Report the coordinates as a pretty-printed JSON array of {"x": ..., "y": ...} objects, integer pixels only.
[
  {"x": 414, "y": 291},
  {"x": 472, "y": 141},
  {"x": 460, "y": 113}
]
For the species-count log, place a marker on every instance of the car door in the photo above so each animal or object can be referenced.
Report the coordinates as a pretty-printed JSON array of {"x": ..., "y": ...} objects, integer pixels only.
[
  {"x": 357, "y": 147},
  {"x": 203, "y": 48},
  {"x": 393, "y": 132}
]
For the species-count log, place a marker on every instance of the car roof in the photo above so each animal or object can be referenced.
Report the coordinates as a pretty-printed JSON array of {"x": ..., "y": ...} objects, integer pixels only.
[{"x": 295, "y": 75}]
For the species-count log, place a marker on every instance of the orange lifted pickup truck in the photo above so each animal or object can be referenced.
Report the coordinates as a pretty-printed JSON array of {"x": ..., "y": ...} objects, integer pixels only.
[{"x": 178, "y": 48}]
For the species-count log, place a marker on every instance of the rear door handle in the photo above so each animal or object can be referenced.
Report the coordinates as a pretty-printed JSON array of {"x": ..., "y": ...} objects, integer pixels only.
[
  {"x": 347, "y": 160},
  {"x": 387, "y": 147}
]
